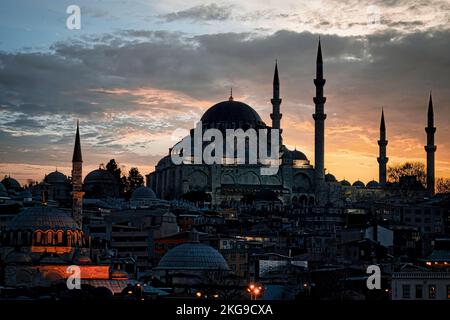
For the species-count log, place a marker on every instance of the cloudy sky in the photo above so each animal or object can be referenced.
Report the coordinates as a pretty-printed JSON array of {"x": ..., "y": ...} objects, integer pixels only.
[{"x": 140, "y": 71}]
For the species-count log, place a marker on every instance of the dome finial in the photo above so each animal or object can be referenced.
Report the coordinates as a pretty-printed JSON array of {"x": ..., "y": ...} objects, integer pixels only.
[{"x": 231, "y": 94}]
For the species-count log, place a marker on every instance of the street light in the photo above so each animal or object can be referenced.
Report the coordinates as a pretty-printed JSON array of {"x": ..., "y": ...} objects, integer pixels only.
[{"x": 254, "y": 290}]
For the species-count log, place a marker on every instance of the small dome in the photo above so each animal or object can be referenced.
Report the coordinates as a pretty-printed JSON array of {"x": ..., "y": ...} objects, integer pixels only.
[
  {"x": 11, "y": 184},
  {"x": 17, "y": 257},
  {"x": 99, "y": 176},
  {"x": 231, "y": 111},
  {"x": 298, "y": 155},
  {"x": 330, "y": 178},
  {"x": 193, "y": 256},
  {"x": 142, "y": 193},
  {"x": 358, "y": 184},
  {"x": 101, "y": 183},
  {"x": 373, "y": 184},
  {"x": 345, "y": 183},
  {"x": 44, "y": 218},
  {"x": 56, "y": 177}
]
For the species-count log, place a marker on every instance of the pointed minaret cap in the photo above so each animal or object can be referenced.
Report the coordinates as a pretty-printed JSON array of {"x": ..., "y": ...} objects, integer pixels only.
[
  {"x": 77, "y": 148},
  {"x": 382, "y": 124},
  {"x": 276, "y": 80},
  {"x": 430, "y": 111},
  {"x": 319, "y": 53}
]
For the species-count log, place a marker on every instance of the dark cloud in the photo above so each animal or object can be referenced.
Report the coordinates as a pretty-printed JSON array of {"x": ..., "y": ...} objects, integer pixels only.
[
  {"x": 204, "y": 12},
  {"x": 80, "y": 79}
]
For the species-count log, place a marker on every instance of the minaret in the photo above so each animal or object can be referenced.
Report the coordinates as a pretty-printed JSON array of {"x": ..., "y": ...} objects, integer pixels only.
[
  {"x": 430, "y": 148},
  {"x": 319, "y": 119},
  {"x": 382, "y": 159},
  {"x": 276, "y": 101},
  {"x": 77, "y": 184}
]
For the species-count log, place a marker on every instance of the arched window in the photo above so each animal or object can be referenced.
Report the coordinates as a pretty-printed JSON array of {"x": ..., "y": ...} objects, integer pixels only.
[
  {"x": 69, "y": 238},
  {"x": 60, "y": 237},
  {"x": 38, "y": 237},
  {"x": 49, "y": 237}
]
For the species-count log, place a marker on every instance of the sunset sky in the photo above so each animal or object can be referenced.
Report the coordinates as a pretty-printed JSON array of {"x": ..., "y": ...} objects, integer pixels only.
[{"x": 138, "y": 72}]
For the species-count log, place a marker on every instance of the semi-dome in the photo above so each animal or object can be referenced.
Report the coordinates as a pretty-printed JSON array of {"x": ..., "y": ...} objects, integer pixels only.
[
  {"x": 56, "y": 177},
  {"x": 193, "y": 256},
  {"x": 330, "y": 178},
  {"x": 345, "y": 183},
  {"x": 358, "y": 184},
  {"x": 231, "y": 112},
  {"x": 11, "y": 184},
  {"x": 42, "y": 218},
  {"x": 142, "y": 193},
  {"x": 373, "y": 184}
]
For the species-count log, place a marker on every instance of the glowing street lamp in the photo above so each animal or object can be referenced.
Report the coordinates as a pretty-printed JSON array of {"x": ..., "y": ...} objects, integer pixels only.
[{"x": 254, "y": 291}]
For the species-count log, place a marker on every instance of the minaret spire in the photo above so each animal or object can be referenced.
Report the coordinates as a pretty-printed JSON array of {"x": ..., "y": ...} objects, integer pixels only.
[
  {"x": 382, "y": 159},
  {"x": 77, "y": 184},
  {"x": 276, "y": 101},
  {"x": 430, "y": 148},
  {"x": 77, "y": 148},
  {"x": 319, "y": 118}
]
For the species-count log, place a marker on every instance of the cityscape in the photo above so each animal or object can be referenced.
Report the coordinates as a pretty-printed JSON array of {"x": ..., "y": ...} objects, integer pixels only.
[{"x": 159, "y": 182}]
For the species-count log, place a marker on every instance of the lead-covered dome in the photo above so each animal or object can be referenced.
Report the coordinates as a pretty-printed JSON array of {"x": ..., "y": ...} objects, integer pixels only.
[
  {"x": 42, "y": 218},
  {"x": 193, "y": 256},
  {"x": 11, "y": 184},
  {"x": 232, "y": 112},
  {"x": 101, "y": 183},
  {"x": 373, "y": 184},
  {"x": 143, "y": 193},
  {"x": 358, "y": 184},
  {"x": 56, "y": 177}
]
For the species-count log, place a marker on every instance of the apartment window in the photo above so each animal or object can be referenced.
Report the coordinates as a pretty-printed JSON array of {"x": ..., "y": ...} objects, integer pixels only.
[
  {"x": 432, "y": 291},
  {"x": 406, "y": 291},
  {"x": 419, "y": 291}
]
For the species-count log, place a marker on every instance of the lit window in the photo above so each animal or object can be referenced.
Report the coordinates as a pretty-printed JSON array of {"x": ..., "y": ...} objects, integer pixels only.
[{"x": 432, "y": 291}]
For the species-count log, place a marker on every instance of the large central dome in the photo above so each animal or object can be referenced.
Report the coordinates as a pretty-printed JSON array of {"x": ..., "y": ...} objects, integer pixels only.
[{"x": 235, "y": 113}]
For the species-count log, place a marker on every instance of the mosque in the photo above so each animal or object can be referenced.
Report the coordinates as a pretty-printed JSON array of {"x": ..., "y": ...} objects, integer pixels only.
[{"x": 297, "y": 182}]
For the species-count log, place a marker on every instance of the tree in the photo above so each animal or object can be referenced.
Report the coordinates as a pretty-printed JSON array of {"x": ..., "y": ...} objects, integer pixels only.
[
  {"x": 407, "y": 169},
  {"x": 443, "y": 185},
  {"x": 113, "y": 167},
  {"x": 134, "y": 180}
]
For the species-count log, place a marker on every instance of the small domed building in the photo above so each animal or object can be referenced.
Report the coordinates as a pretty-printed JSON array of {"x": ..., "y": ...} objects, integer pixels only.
[
  {"x": 143, "y": 197},
  {"x": 11, "y": 184},
  {"x": 100, "y": 184},
  {"x": 39, "y": 244},
  {"x": 58, "y": 186},
  {"x": 191, "y": 263}
]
